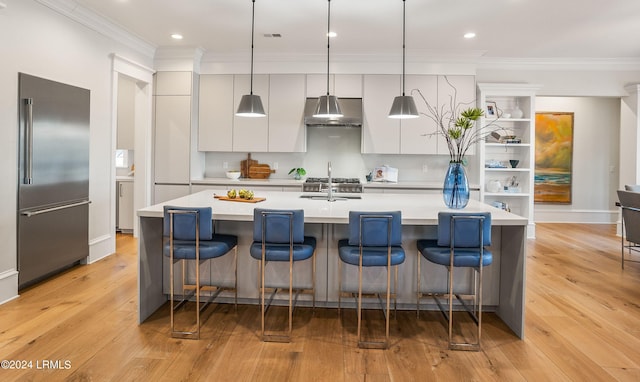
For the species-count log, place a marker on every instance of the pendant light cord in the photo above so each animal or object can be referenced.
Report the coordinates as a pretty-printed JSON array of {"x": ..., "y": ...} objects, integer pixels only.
[
  {"x": 253, "y": 16},
  {"x": 404, "y": 5},
  {"x": 328, "y": 40}
]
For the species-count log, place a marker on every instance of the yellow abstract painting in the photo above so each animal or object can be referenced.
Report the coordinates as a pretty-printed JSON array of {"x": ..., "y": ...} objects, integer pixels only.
[{"x": 554, "y": 153}]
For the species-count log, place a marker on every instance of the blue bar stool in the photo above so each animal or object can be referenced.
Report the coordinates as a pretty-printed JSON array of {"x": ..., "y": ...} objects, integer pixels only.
[
  {"x": 188, "y": 233},
  {"x": 375, "y": 240},
  {"x": 462, "y": 241},
  {"x": 278, "y": 236}
]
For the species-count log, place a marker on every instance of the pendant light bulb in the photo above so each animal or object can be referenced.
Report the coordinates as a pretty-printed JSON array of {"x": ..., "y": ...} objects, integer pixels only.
[
  {"x": 328, "y": 105},
  {"x": 251, "y": 104},
  {"x": 403, "y": 107}
]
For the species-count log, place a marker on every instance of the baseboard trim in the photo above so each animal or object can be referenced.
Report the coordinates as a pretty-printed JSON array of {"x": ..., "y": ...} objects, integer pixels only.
[
  {"x": 550, "y": 215},
  {"x": 101, "y": 247},
  {"x": 8, "y": 286}
]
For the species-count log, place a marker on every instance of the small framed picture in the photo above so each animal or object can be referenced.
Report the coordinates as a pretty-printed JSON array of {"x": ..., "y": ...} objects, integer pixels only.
[{"x": 491, "y": 109}]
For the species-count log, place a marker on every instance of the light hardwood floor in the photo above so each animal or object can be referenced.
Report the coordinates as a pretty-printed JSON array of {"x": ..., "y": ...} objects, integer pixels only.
[{"x": 582, "y": 309}]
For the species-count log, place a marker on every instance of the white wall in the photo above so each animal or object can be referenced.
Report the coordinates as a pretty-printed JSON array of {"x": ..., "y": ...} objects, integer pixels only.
[
  {"x": 595, "y": 160},
  {"x": 52, "y": 46}
]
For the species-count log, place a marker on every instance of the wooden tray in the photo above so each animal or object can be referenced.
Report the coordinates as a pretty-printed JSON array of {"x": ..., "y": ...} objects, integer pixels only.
[{"x": 238, "y": 199}]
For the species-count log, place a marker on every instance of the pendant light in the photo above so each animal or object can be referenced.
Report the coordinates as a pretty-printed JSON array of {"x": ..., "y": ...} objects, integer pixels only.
[
  {"x": 328, "y": 106},
  {"x": 404, "y": 106},
  {"x": 251, "y": 104}
]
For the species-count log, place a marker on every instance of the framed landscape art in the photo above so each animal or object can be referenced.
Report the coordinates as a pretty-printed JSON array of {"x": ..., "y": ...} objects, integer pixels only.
[{"x": 553, "y": 161}]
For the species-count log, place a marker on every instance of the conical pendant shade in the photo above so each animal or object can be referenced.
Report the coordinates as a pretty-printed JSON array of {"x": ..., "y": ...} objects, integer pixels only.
[
  {"x": 250, "y": 106},
  {"x": 403, "y": 107},
  {"x": 328, "y": 107}
]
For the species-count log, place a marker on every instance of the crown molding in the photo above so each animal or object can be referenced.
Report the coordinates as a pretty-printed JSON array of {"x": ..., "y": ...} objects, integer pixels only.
[
  {"x": 95, "y": 22},
  {"x": 562, "y": 64}
]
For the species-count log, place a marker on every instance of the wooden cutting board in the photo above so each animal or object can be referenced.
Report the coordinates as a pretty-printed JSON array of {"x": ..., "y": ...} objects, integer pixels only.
[
  {"x": 254, "y": 200},
  {"x": 260, "y": 171},
  {"x": 245, "y": 164}
]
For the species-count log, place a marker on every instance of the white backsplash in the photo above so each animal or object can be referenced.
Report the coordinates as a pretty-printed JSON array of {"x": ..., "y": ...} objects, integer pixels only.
[{"x": 342, "y": 147}]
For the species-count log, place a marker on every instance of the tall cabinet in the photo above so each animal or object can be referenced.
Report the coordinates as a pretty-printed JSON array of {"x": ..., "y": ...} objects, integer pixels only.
[{"x": 510, "y": 114}]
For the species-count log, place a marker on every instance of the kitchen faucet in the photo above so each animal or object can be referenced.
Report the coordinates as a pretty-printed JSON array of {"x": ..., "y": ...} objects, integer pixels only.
[{"x": 330, "y": 181}]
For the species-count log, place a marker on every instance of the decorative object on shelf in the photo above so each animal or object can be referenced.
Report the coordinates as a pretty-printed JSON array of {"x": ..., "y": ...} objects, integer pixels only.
[
  {"x": 328, "y": 106},
  {"x": 493, "y": 163},
  {"x": 298, "y": 172},
  {"x": 251, "y": 104},
  {"x": 514, "y": 163},
  {"x": 501, "y": 205},
  {"x": 491, "y": 109},
  {"x": 456, "y": 186},
  {"x": 403, "y": 106},
  {"x": 516, "y": 112},
  {"x": 554, "y": 151},
  {"x": 494, "y": 185},
  {"x": 512, "y": 185}
]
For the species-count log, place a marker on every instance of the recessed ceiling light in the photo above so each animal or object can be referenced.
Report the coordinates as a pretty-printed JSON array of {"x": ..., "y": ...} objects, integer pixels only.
[
  {"x": 332, "y": 34},
  {"x": 176, "y": 36},
  {"x": 469, "y": 35}
]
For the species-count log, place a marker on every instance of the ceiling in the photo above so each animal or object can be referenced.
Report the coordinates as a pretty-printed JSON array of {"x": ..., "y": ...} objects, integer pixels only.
[{"x": 505, "y": 29}]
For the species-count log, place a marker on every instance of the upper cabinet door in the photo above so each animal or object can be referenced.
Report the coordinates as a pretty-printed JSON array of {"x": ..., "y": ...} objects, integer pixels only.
[
  {"x": 348, "y": 85},
  {"x": 380, "y": 134},
  {"x": 417, "y": 134},
  {"x": 216, "y": 110},
  {"x": 459, "y": 91},
  {"x": 251, "y": 134},
  {"x": 317, "y": 85},
  {"x": 287, "y": 131}
]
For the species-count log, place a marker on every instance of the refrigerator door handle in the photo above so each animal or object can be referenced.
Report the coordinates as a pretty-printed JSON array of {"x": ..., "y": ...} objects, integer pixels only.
[
  {"x": 28, "y": 142},
  {"x": 44, "y": 211}
]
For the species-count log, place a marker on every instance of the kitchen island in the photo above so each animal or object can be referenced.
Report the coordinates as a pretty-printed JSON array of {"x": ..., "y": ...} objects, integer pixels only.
[{"x": 328, "y": 221}]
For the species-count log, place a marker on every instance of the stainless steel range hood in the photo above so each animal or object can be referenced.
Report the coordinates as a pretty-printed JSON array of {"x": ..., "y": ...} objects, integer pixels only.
[{"x": 351, "y": 109}]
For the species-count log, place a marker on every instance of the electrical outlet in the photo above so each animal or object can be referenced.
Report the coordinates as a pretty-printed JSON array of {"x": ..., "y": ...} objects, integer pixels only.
[
  {"x": 275, "y": 165},
  {"x": 425, "y": 168},
  {"x": 225, "y": 165}
]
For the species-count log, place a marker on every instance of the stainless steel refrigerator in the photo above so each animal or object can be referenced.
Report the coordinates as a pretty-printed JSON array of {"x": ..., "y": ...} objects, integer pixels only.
[{"x": 53, "y": 178}]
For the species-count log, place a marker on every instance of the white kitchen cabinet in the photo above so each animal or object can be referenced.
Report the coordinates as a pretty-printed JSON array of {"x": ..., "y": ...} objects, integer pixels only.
[
  {"x": 340, "y": 85},
  {"x": 287, "y": 131},
  {"x": 215, "y": 113},
  {"x": 348, "y": 85},
  {"x": 317, "y": 85},
  {"x": 380, "y": 134},
  {"x": 126, "y": 113},
  {"x": 416, "y": 134},
  {"x": 172, "y": 139},
  {"x": 491, "y": 152},
  {"x": 251, "y": 134},
  {"x": 459, "y": 91},
  {"x": 124, "y": 203},
  {"x": 164, "y": 192}
]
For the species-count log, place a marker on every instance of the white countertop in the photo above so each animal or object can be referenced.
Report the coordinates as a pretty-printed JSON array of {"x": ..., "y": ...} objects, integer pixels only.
[
  {"x": 292, "y": 182},
  {"x": 417, "y": 209},
  {"x": 124, "y": 178}
]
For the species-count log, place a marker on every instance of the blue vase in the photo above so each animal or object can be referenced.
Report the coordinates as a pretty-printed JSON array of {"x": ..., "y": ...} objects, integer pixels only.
[{"x": 456, "y": 186}]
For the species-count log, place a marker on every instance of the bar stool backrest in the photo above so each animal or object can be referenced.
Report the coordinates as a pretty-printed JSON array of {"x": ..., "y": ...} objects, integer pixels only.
[
  {"x": 466, "y": 232},
  {"x": 184, "y": 224},
  {"x": 374, "y": 229},
  {"x": 277, "y": 226}
]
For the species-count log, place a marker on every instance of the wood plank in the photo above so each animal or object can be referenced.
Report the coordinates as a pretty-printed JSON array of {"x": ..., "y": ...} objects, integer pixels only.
[{"x": 583, "y": 323}]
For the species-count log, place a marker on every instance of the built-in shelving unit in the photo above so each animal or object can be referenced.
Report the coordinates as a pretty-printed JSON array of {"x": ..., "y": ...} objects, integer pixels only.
[{"x": 515, "y": 191}]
